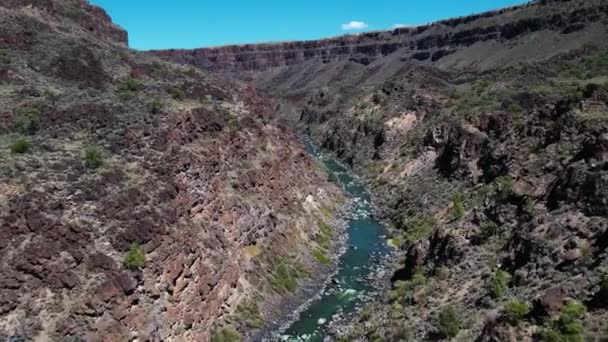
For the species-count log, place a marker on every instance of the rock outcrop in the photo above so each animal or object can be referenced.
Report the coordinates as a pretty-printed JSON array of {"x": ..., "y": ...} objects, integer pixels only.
[
  {"x": 141, "y": 199},
  {"x": 466, "y": 38}
]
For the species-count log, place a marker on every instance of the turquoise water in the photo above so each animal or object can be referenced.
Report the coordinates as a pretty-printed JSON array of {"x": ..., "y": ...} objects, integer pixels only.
[{"x": 366, "y": 247}]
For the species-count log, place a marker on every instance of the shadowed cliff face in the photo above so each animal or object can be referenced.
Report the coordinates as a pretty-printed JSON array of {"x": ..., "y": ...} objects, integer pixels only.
[
  {"x": 140, "y": 198},
  {"x": 483, "y": 139},
  {"x": 431, "y": 44}
]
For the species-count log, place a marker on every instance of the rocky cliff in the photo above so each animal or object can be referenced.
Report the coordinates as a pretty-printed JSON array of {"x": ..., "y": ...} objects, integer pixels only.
[
  {"x": 547, "y": 20},
  {"x": 140, "y": 199},
  {"x": 483, "y": 139}
]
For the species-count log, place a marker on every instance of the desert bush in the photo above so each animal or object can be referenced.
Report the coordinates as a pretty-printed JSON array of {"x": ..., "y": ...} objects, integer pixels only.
[
  {"x": 418, "y": 228},
  {"x": 568, "y": 327},
  {"x": 226, "y": 334},
  {"x": 528, "y": 206},
  {"x": 515, "y": 311},
  {"x": 487, "y": 230},
  {"x": 499, "y": 282},
  {"x": 93, "y": 158},
  {"x": 176, "y": 93},
  {"x": 21, "y": 145},
  {"x": 155, "y": 106},
  {"x": 135, "y": 258},
  {"x": 133, "y": 84},
  {"x": 448, "y": 322},
  {"x": 249, "y": 314},
  {"x": 404, "y": 289},
  {"x": 504, "y": 186},
  {"x": 458, "y": 209},
  {"x": 284, "y": 276},
  {"x": 320, "y": 256},
  {"x": 515, "y": 108},
  {"x": 27, "y": 121},
  {"x": 443, "y": 273}
]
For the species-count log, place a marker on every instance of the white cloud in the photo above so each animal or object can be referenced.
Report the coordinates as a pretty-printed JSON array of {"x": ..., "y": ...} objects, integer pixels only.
[
  {"x": 401, "y": 25},
  {"x": 354, "y": 25}
]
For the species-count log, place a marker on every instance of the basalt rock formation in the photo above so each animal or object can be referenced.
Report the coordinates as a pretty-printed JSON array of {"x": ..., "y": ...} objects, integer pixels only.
[
  {"x": 142, "y": 199},
  {"x": 484, "y": 141},
  {"x": 467, "y": 41}
]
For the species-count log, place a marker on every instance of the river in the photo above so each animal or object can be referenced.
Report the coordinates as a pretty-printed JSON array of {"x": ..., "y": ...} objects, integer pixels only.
[{"x": 367, "y": 247}]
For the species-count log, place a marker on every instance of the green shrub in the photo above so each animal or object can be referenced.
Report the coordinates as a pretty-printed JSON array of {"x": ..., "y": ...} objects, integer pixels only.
[
  {"x": 133, "y": 84},
  {"x": 284, "y": 277},
  {"x": 448, "y": 322},
  {"x": 93, "y": 157},
  {"x": 27, "y": 121},
  {"x": 249, "y": 314},
  {"x": 514, "y": 108},
  {"x": 443, "y": 273},
  {"x": 487, "y": 230},
  {"x": 567, "y": 328},
  {"x": 404, "y": 289},
  {"x": 135, "y": 258},
  {"x": 226, "y": 334},
  {"x": 528, "y": 206},
  {"x": 504, "y": 186},
  {"x": 155, "y": 106},
  {"x": 418, "y": 228},
  {"x": 320, "y": 256},
  {"x": 458, "y": 209},
  {"x": 515, "y": 311},
  {"x": 499, "y": 282},
  {"x": 21, "y": 145},
  {"x": 176, "y": 93}
]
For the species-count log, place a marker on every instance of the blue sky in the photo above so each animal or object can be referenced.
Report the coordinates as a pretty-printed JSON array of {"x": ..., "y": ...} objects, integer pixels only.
[{"x": 161, "y": 24}]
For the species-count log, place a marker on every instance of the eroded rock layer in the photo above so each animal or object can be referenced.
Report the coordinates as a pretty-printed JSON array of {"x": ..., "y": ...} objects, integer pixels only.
[{"x": 139, "y": 199}]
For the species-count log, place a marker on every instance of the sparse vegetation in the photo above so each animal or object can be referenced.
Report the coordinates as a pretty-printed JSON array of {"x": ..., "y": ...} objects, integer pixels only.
[
  {"x": 27, "y": 121},
  {"x": 418, "y": 228},
  {"x": 176, "y": 93},
  {"x": 499, "y": 282},
  {"x": 20, "y": 146},
  {"x": 458, "y": 209},
  {"x": 320, "y": 256},
  {"x": 155, "y": 106},
  {"x": 326, "y": 233},
  {"x": 403, "y": 289},
  {"x": 567, "y": 328},
  {"x": 93, "y": 158},
  {"x": 135, "y": 258},
  {"x": 448, "y": 322},
  {"x": 504, "y": 186},
  {"x": 249, "y": 314},
  {"x": 133, "y": 84},
  {"x": 443, "y": 273},
  {"x": 487, "y": 230},
  {"x": 515, "y": 311},
  {"x": 284, "y": 277},
  {"x": 515, "y": 108},
  {"x": 528, "y": 206},
  {"x": 226, "y": 334}
]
